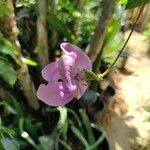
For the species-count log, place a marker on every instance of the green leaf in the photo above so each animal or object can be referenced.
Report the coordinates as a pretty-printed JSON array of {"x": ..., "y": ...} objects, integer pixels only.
[
  {"x": 67, "y": 147},
  {"x": 80, "y": 136},
  {"x": 46, "y": 143},
  {"x": 98, "y": 141},
  {"x": 7, "y": 131},
  {"x": 25, "y": 134},
  {"x": 8, "y": 108},
  {"x": 136, "y": 3},
  {"x": 7, "y": 48},
  {"x": 71, "y": 111},
  {"x": 58, "y": 25},
  {"x": 113, "y": 40},
  {"x": 7, "y": 72},
  {"x": 1, "y": 146},
  {"x": 29, "y": 61},
  {"x": 87, "y": 125},
  {"x": 113, "y": 29},
  {"x": 10, "y": 144},
  {"x": 18, "y": 107}
]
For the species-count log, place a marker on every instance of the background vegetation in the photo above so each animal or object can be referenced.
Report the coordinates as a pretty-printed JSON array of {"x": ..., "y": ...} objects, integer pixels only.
[{"x": 30, "y": 34}]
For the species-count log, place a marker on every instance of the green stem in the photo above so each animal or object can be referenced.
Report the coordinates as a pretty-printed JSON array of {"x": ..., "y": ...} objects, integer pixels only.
[{"x": 100, "y": 76}]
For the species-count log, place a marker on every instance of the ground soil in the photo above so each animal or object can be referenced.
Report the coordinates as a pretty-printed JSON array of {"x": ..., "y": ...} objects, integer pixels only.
[{"x": 125, "y": 119}]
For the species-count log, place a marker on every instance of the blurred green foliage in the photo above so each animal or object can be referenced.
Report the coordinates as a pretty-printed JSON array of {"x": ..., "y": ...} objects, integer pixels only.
[
  {"x": 6, "y": 47},
  {"x": 80, "y": 18},
  {"x": 114, "y": 38},
  {"x": 27, "y": 3},
  {"x": 4, "y": 10},
  {"x": 142, "y": 144},
  {"x": 132, "y": 3},
  {"x": 25, "y": 131}
]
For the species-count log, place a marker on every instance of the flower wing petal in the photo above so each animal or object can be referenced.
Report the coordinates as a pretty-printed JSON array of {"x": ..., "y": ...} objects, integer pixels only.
[
  {"x": 81, "y": 88},
  {"x": 51, "y": 72},
  {"x": 54, "y": 94},
  {"x": 83, "y": 61}
]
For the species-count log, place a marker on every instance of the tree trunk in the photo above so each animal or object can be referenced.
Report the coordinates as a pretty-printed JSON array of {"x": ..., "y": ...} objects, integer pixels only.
[
  {"x": 53, "y": 38},
  {"x": 143, "y": 20},
  {"x": 42, "y": 42},
  {"x": 94, "y": 48},
  {"x": 10, "y": 31}
]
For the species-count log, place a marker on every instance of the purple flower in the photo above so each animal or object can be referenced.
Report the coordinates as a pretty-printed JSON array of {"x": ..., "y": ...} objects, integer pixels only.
[{"x": 65, "y": 77}]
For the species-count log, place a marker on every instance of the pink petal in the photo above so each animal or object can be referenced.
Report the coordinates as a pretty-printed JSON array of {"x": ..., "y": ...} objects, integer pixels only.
[
  {"x": 83, "y": 61},
  {"x": 81, "y": 88},
  {"x": 54, "y": 94},
  {"x": 51, "y": 72},
  {"x": 65, "y": 66}
]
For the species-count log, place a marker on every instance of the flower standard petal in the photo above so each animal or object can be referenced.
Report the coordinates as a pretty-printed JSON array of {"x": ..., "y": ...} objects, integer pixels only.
[
  {"x": 83, "y": 61},
  {"x": 54, "y": 94}
]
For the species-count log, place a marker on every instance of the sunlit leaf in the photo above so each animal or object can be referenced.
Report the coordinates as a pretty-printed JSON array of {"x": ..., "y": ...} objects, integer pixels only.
[
  {"x": 7, "y": 72},
  {"x": 122, "y": 2},
  {"x": 7, "y": 48},
  {"x": 29, "y": 61},
  {"x": 113, "y": 41},
  {"x": 32, "y": 126},
  {"x": 27, "y": 3},
  {"x": 25, "y": 134},
  {"x": 63, "y": 123}
]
